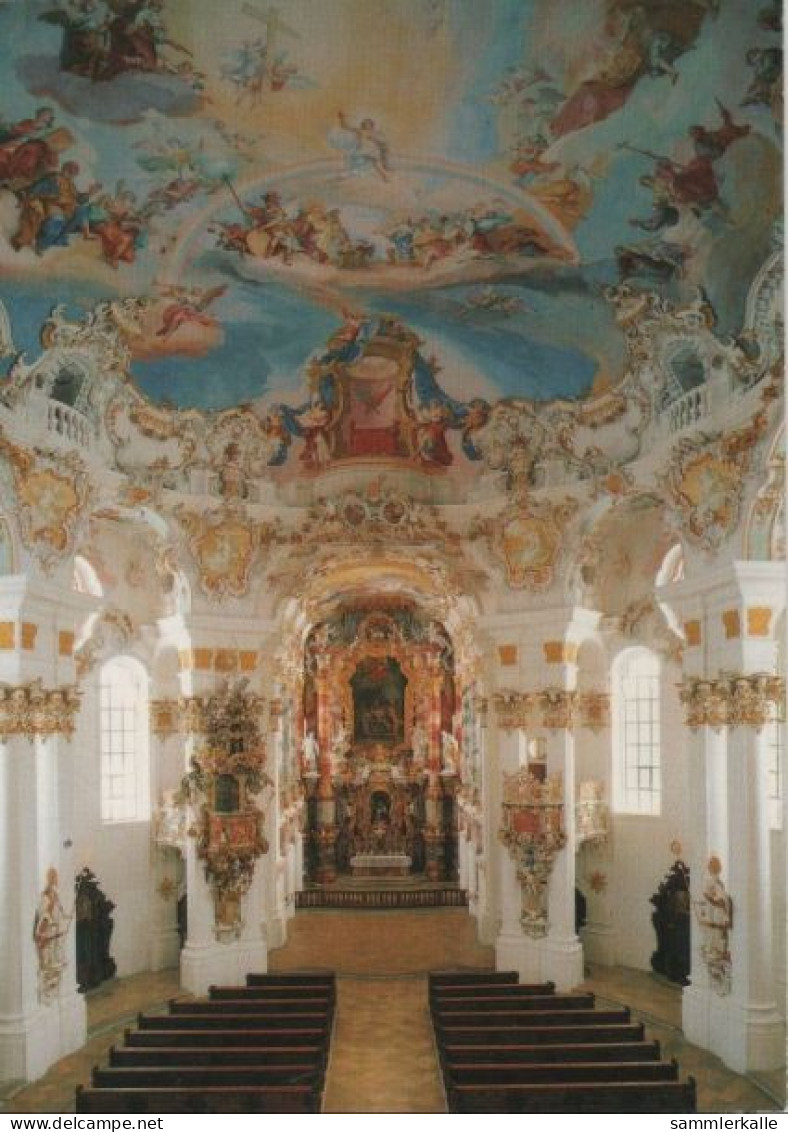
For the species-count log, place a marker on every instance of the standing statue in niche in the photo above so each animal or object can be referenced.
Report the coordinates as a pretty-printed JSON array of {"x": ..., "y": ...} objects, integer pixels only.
[
  {"x": 340, "y": 747},
  {"x": 311, "y": 753},
  {"x": 50, "y": 927},
  {"x": 450, "y": 750},
  {"x": 420, "y": 744}
]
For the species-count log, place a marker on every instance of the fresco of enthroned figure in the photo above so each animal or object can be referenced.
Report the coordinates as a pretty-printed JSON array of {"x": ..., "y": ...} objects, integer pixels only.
[{"x": 374, "y": 393}]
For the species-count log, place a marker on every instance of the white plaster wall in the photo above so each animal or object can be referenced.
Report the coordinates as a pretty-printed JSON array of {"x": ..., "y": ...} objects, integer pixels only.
[
  {"x": 779, "y": 913},
  {"x": 123, "y": 866},
  {"x": 640, "y": 844},
  {"x": 118, "y": 853}
]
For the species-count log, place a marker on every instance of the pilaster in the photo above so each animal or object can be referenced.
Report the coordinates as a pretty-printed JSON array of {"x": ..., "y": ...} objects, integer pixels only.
[{"x": 730, "y": 692}]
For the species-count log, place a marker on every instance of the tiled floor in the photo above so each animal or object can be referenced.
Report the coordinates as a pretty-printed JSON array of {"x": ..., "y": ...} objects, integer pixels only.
[{"x": 383, "y": 1056}]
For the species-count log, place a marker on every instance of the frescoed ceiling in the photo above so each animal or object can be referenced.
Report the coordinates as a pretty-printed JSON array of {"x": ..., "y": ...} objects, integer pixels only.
[{"x": 270, "y": 180}]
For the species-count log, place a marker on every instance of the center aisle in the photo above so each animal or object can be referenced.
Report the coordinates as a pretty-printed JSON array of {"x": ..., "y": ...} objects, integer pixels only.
[{"x": 383, "y": 1056}]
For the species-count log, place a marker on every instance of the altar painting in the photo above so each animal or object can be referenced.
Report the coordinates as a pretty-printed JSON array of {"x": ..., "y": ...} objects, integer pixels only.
[{"x": 378, "y": 691}]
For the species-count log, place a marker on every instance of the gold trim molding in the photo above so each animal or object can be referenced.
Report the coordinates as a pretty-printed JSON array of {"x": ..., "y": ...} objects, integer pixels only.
[
  {"x": 731, "y": 700},
  {"x": 190, "y": 715},
  {"x": 31, "y": 709},
  {"x": 555, "y": 709}
]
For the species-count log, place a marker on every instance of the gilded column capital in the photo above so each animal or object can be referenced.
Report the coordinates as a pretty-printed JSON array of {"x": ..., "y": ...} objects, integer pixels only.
[
  {"x": 191, "y": 715},
  {"x": 593, "y": 710},
  {"x": 559, "y": 708},
  {"x": 515, "y": 709},
  {"x": 31, "y": 709},
  {"x": 732, "y": 700}
]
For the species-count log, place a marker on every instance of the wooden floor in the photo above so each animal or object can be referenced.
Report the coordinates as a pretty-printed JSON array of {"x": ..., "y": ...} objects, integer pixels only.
[{"x": 383, "y": 1058}]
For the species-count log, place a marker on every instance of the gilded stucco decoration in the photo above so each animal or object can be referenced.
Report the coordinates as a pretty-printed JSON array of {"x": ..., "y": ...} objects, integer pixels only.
[
  {"x": 227, "y": 789},
  {"x": 191, "y": 715},
  {"x": 705, "y": 481},
  {"x": 731, "y": 700},
  {"x": 593, "y": 710},
  {"x": 642, "y": 619},
  {"x": 377, "y": 515},
  {"x": 31, "y": 709},
  {"x": 515, "y": 710},
  {"x": 556, "y": 709},
  {"x": 224, "y": 544},
  {"x": 669, "y": 340},
  {"x": 532, "y": 830},
  {"x": 527, "y": 540},
  {"x": 52, "y": 496},
  {"x": 110, "y": 630},
  {"x": 765, "y": 533}
]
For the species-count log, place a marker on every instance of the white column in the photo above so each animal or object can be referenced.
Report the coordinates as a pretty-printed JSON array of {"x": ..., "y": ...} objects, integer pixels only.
[
  {"x": 755, "y": 1034},
  {"x": 33, "y": 1033},
  {"x": 702, "y": 1008},
  {"x": 562, "y": 952}
]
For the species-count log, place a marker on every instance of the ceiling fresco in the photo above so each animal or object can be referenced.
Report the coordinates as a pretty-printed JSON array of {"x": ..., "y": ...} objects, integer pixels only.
[{"x": 390, "y": 211}]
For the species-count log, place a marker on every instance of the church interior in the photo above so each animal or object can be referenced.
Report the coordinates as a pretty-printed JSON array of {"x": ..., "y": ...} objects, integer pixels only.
[{"x": 392, "y": 540}]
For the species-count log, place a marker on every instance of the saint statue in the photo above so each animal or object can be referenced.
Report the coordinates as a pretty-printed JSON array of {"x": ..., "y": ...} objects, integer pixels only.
[{"x": 311, "y": 753}]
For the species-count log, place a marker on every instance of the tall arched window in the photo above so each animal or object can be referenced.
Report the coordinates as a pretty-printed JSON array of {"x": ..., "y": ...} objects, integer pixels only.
[
  {"x": 637, "y": 772},
  {"x": 123, "y": 723}
]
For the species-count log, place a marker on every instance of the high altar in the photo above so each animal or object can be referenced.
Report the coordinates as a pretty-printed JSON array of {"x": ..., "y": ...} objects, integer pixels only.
[{"x": 378, "y": 725}]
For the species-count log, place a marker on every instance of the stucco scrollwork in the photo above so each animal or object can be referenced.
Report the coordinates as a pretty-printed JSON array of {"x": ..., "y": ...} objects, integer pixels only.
[
  {"x": 515, "y": 710},
  {"x": 593, "y": 710},
  {"x": 52, "y": 494},
  {"x": 527, "y": 540},
  {"x": 31, "y": 709},
  {"x": 532, "y": 830},
  {"x": 224, "y": 544},
  {"x": 228, "y": 789},
  {"x": 191, "y": 715},
  {"x": 705, "y": 481},
  {"x": 731, "y": 700},
  {"x": 556, "y": 709}
]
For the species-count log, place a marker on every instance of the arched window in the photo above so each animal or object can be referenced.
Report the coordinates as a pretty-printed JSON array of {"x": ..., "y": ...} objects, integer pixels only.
[
  {"x": 637, "y": 772},
  {"x": 123, "y": 723}
]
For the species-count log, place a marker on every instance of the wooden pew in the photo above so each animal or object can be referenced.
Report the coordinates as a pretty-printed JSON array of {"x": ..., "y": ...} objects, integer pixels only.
[
  {"x": 606, "y": 1097},
  {"x": 194, "y": 1039},
  {"x": 525, "y": 1054},
  {"x": 549, "y": 1073},
  {"x": 488, "y": 1002},
  {"x": 199, "y": 1076},
  {"x": 540, "y": 1035},
  {"x": 139, "y": 1056},
  {"x": 219, "y": 1099},
  {"x": 290, "y": 1006},
  {"x": 291, "y": 980},
  {"x": 227, "y": 1021},
  {"x": 469, "y": 978},
  {"x": 472, "y": 990},
  {"x": 496, "y": 1019},
  {"x": 274, "y": 992}
]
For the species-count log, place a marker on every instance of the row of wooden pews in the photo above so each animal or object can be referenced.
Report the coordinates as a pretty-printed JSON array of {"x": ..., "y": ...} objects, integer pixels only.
[
  {"x": 505, "y": 1046},
  {"x": 262, "y": 1047}
]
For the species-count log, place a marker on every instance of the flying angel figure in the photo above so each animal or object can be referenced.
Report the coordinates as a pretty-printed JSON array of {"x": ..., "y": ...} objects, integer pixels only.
[{"x": 188, "y": 306}]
